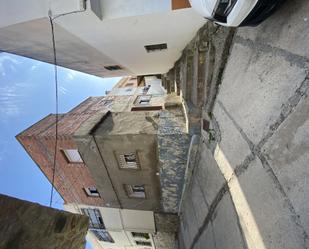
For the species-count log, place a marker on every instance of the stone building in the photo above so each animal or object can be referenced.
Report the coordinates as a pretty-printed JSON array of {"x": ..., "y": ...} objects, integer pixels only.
[
  {"x": 121, "y": 160},
  {"x": 29, "y": 225}
]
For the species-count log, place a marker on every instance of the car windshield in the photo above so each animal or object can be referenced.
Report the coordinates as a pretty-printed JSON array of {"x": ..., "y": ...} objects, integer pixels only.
[{"x": 222, "y": 9}]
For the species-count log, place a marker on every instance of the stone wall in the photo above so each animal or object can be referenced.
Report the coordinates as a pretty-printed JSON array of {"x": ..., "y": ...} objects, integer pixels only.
[
  {"x": 164, "y": 240},
  {"x": 173, "y": 144},
  {"x": 26, "y": 225},
  {"x": 166, "y": 228},
  {"x": 197, "y": 74},
  {"x": 166, "y": 222}
]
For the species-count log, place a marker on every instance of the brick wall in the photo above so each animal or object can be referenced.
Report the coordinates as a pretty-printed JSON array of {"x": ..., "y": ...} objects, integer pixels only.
[
  {"x": 70, "y": 178},
  {"x": 39, "y": 141}
]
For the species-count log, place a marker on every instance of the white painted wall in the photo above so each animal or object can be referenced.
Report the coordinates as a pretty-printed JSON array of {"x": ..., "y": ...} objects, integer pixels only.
[
  {"x": 155, "y": 85},
  {"x": 155, "y": 88},
  {"x": 120, "y": 8},
  {"x": 16, "y": 11},
  {"x": 138, "y": 221},
  {"x": 58, "y": 7},
  {"x": 116, "y": 40},
  {"x": 123, "y": 39},
  {"x": 119, "y": 223}
]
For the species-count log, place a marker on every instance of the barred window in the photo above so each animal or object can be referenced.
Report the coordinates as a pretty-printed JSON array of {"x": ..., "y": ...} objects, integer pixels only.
[
  {"x": 140, "y": 235},
  {"x": 95, "y": 218},
  {"x": 135, "y": 191},
  {"x": 128, "y": 160},
  {"x": 142, "y": 243},
  {"x": 143, "y": 100},
  {"x": 103, "y": 235}
]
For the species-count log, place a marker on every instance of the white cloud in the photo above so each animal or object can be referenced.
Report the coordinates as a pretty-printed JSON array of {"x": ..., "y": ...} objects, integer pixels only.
[
  {"x": 11, "y": 100},
  {"x": 3, "y": 150},
  {"x": 63, "y": 90},
  {"x": 7, "y": 59},
  {"x": 71, "y": 74},
  {"x": 4, "y": 57},
  {"x": 35, "y": 66},
  {"x": 11, "y": 93}
]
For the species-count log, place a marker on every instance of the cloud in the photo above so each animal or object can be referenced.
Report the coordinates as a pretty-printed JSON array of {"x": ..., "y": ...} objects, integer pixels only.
[
  {"x": 32, "y": 68},
  {"x": 6, "y": 57},
  {"x": 71, "y": 74},
  {"x": 9, "y": 61},
  {"x": 11, "y": 100},
  {"x": 35, "y": 66},
  {"x": 63, "y": 90},
  {"x": 3, "y": 150},
  {"x": 12, "y": 91}
]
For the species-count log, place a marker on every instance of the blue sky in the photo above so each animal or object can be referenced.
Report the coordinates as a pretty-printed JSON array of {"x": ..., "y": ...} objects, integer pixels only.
[{"x": 27, "y": 94}]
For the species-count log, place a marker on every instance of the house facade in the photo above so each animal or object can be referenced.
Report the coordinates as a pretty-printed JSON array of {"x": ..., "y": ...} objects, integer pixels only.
[
  {"x": 101, "y": 37},
  {"x": 118, "y": 228},
  {"x": 121, "y": 160}
]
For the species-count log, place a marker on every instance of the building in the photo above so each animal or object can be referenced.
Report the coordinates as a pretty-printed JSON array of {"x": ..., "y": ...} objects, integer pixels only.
[
  {"x": 121, "y": 228},
  {"x": 29, "y": 225},
  {"x": 121, "y": 160},
  {"x": 102, "y": 37}
]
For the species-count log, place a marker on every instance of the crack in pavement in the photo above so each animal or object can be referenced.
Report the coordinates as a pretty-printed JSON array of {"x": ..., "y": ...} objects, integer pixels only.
[
  {"x": 287, "y": 110},
  {"x": 259, "y": 47}
]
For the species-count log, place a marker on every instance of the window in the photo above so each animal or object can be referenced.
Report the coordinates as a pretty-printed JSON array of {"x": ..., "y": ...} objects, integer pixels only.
[
  {"x": 113, "y": 68},
  {"x": 103, "y": 235},
  {"x": 92, "y": 191},
  {"x": 95, "y": 218},
  {"x": 142, "y": 243},
  {"x": 96, "y": 224},
  {"x": 143, "y": 100},
  {"x": 128, "y": 161},
  {"x": 135, "y": 191},
  {"x": 155, "y": 47},
  {"x": 73, "y": 156},
  {"x": 140, "y": 235}
]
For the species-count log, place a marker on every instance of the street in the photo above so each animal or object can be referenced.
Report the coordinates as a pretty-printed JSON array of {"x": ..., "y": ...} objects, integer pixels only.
[{"x": 249, "y": 187}]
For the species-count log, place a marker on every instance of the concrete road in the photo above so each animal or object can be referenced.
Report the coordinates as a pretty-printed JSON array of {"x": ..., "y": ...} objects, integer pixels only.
[{"x": 251, "y": 190}]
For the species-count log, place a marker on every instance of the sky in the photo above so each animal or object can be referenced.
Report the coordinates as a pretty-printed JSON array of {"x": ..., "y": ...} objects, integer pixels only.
[{"x": 27, "y": 94}]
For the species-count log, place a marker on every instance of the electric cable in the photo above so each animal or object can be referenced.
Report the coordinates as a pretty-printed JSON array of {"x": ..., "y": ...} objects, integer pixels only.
[
  {"x": 57, "y": 107},
  {"x": 51, "y": 21}
]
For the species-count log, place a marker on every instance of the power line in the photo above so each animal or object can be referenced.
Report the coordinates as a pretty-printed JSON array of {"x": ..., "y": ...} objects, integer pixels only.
[
  {"x": 51, "y": 19},
  {"x": 57, "y": 107}
]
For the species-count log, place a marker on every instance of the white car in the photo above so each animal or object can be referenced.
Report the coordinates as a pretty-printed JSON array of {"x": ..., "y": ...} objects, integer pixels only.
[{"x": 235, "y": 13}]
